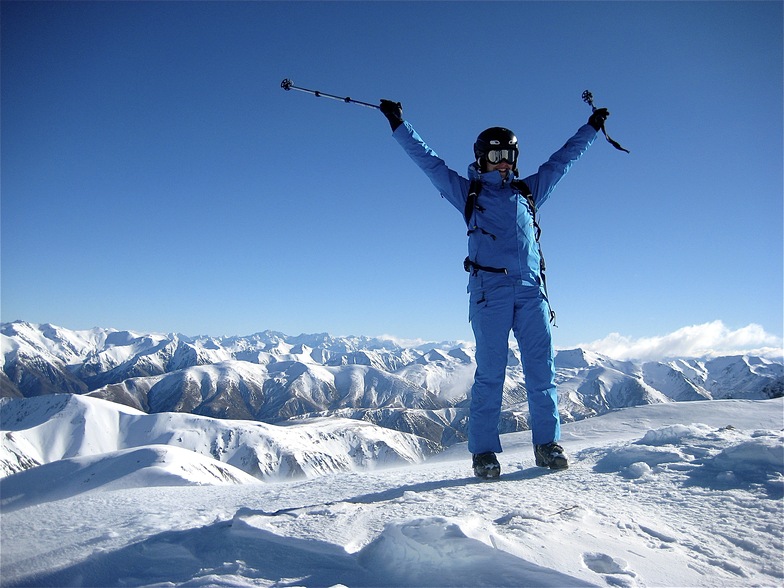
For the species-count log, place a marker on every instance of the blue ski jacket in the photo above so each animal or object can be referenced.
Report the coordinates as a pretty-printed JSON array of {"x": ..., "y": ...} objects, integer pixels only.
[{"x": 501, "y": 230}]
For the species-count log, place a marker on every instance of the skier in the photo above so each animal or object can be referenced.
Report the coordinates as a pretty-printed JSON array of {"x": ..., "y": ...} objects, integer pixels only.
[{"x": 506, "y": 279}]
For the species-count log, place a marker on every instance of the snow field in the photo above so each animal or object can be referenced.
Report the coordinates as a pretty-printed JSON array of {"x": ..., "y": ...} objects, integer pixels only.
[{"x": 663, "y": 495}]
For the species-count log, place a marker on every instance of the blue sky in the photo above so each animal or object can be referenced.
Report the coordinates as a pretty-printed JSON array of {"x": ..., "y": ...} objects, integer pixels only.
[{"x": 155, "y": 177}]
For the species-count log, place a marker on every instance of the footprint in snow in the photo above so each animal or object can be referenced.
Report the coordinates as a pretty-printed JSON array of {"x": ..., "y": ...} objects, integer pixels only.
[{"x": 601, "y": 563}]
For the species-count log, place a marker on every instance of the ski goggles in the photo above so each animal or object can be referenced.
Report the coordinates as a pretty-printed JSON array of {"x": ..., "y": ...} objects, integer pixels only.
[{"x": 498, "y": 155}]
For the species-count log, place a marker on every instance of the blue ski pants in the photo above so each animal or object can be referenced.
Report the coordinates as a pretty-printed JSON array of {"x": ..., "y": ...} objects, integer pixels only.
[{"x": 494, "y": 312}]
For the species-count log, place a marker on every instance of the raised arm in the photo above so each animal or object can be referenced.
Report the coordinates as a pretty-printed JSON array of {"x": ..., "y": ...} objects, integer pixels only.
[
  {"x": 554, "y": 169},
  {"x": 448, "y": 182}
]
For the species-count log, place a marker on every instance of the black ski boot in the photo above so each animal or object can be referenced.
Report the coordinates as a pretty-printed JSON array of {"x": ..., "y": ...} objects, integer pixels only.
[
  {"x": 551, "y": 456},
  {"x": 486, "y": 466}
]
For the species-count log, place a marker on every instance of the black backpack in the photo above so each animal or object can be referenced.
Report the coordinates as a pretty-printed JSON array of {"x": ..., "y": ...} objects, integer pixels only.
[{"x": 472, "y": 205}]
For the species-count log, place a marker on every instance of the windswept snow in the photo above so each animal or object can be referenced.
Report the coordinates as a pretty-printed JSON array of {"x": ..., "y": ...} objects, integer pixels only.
[
  {"x": 153, "y": 465},
  {"x": 676, "y": 494}
]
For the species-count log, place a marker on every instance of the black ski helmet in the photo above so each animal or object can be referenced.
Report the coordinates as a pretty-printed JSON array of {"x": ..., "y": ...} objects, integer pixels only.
[{"x": 495, "y": 139}]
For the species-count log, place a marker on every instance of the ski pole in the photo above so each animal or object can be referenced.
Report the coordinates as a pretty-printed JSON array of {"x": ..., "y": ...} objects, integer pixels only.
[
  {"x": 289, "y": 85},
  {"x": 588, "y": 99}
]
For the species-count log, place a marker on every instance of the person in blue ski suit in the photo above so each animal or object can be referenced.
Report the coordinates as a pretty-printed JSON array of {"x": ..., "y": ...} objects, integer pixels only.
[{"x": 505, "y": 285}]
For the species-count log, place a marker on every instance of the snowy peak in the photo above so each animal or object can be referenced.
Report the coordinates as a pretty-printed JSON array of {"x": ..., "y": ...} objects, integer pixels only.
[
  {"x": 52, "y": 341},
  {"x": 434, "y": 355},
  {"x": 739, "y": 376},
  {"x": 576, "y": 359},
  {"x": 677, "y": 382}
]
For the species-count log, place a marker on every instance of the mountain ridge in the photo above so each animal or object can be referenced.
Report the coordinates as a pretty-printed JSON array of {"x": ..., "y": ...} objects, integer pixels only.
[
  {"x": 56, "y": 428},
  {"x": 272, "y": 377}
]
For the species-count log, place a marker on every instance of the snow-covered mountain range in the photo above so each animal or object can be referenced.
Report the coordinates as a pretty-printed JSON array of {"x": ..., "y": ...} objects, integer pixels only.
[
  {"x": 273, "y": 378},
  {"x": 143, "y": 492}
]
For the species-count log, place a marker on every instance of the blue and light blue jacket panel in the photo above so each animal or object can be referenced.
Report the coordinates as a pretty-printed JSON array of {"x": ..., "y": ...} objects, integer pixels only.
[{"x": 502, "y": 235}]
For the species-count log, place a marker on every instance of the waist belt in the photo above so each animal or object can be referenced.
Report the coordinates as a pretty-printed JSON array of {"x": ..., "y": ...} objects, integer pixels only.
[{"x": 473, "y": 267}]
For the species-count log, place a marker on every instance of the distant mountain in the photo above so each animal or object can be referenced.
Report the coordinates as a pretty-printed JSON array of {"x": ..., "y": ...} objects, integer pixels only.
[
  {"x": 273, "y": 378},
  {"x": 66, "y": 443}
]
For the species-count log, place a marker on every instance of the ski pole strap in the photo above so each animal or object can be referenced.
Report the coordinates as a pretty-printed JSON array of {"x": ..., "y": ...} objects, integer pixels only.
[{"x": 613, "y": 142}]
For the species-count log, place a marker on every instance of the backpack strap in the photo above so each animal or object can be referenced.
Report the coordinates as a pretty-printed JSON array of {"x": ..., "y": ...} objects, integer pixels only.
[
  {"x": 471, "y": 203},
  {"x": 522, "y": 188}
]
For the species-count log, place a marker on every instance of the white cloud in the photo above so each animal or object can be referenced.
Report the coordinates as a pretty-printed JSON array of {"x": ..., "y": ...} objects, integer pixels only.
[
  {"x": 402, "y": 341},
  {"x": 707, "y": 340},
  {"x": 413, "y": 343}
]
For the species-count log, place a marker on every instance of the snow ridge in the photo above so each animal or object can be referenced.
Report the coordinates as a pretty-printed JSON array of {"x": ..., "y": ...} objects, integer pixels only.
[{"x": 92, "y": 435}]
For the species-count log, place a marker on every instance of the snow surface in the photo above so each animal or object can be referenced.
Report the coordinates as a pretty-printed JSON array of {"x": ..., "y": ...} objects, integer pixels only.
[{"x": 677, "y": 494}]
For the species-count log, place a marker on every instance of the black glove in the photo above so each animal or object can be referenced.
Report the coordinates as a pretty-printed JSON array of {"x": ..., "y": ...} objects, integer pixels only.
[
  {"x": 598, "y": 117},
  {"x": 393, "y": 111}
]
